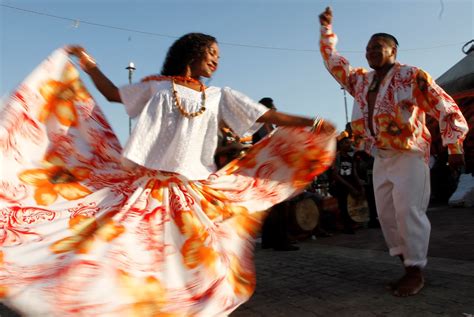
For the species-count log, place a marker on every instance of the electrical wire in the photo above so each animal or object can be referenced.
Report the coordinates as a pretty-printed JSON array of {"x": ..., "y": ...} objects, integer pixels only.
[{"x": 77, "y": 22}]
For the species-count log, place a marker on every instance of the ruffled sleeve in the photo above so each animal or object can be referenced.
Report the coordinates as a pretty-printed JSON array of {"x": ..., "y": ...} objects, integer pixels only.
[{"x": 240, "y": 112}]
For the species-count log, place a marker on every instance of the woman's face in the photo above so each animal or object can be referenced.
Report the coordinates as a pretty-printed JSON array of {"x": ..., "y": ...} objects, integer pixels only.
[{"x": 207, "y": 64}]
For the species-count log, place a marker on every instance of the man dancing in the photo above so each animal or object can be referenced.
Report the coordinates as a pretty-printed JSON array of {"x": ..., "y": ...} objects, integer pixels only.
[{"x": 390, "y": 104}]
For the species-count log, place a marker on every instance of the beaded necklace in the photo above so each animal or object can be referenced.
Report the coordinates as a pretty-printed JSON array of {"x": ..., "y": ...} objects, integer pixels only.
[{"x": 177, "y": 101}]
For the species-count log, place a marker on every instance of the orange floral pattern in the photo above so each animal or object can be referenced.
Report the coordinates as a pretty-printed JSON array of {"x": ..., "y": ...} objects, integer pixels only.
[
  {"x": 85, "y": 230},
  {"x": 61, "y": 95},
  {"x": 148, "y": 293},
  {"x": 159, "y": 244},
  {"x": 56, "y": 179},
  {"x": 406, "y": 95}
]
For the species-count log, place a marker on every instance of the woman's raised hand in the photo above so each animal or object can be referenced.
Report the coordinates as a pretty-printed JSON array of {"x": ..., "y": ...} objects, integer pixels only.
[
  {"x": 75, "y": 50},
  {"x": 86, "y": 62},
  {"x": 327, "y": 127},
  {"x": 322, "y": 126}
]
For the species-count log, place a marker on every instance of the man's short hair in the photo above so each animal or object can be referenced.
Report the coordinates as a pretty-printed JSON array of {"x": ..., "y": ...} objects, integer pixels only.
[
  {"x": 386, "y": 36},
  {"x": 267, "y": 102}
]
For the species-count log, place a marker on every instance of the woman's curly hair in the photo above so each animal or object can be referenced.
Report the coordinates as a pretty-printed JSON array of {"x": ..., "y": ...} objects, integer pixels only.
[{"x": 184, "y": 51}]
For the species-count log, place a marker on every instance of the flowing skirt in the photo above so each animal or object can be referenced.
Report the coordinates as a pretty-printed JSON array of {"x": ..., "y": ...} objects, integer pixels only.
[{"x": 83, "y": 236}]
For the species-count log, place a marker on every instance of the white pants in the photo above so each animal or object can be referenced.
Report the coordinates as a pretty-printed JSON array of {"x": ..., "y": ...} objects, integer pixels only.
[{"x": 402, "y": 192}]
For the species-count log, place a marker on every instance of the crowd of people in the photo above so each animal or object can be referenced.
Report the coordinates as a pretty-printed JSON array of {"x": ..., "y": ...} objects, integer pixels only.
[{"x": 167, "y": 225}]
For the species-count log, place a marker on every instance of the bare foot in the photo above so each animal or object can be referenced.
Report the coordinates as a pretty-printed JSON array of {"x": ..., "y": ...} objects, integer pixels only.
[
  {"x": 411, "y": 283},
  {"x": 392, "y": 285}
]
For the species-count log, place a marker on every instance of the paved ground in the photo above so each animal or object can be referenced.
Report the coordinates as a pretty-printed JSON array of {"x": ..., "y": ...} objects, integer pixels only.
[{"x": 345, "y": 275}]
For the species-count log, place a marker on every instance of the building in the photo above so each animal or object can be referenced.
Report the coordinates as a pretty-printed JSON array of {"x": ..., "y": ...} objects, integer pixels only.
[{"x": 458, "y": 82}]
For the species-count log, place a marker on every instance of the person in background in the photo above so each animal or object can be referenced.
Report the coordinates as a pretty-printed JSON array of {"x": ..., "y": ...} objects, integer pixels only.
[
  {"x": 230, "y": 146},
  {"x": 364, "y": 163},
  {"x": 345, "y": 180},
  {"x": 266, "y": 127},
  {"x": 390, "y": 106}
]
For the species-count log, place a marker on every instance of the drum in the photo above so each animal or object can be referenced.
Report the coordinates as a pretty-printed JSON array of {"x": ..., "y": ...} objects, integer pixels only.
[
  {"x": 358, "y": 208},
  {"x": 304, "y": 216},
  {"x": 329, "y": 204}
]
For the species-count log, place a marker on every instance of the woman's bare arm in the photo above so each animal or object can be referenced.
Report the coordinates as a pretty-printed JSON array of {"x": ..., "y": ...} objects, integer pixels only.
[
  {"x": 102, "y": 83},
  {"x": 284, "y": 119}
]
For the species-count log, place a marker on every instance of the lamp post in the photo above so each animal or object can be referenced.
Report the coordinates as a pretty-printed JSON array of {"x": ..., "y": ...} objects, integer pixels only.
[
  {"x": 345, "y": 104},
  {"x": 131, "y": 68}
]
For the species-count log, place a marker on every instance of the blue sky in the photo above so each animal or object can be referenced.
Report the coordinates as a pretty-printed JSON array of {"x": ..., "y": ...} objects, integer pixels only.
[{"x": 268, "y": 48}]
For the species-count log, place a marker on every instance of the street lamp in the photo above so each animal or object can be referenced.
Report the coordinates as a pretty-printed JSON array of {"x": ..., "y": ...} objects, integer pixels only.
[
  {"x": 131, "y": 68},
  {"x": 345, "y": 104}
]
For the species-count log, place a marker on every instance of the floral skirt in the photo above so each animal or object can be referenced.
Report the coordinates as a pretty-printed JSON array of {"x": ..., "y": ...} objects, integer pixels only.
[{"x": 82, "y": 236}]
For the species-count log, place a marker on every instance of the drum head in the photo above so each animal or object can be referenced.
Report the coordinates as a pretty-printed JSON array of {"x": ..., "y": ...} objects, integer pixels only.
[
  {"x": 358, "y": 209},
  {"x": 307, "y": 214}
]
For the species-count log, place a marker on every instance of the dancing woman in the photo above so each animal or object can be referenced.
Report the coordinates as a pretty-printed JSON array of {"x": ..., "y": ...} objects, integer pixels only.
[{"x": 154, "y": 229}]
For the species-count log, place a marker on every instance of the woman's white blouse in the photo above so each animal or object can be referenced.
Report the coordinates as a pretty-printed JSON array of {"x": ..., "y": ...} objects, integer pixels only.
[{"x": 163, "y": 139}]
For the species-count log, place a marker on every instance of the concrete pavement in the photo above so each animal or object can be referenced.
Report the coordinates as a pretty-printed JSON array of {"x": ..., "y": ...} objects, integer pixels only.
[{"x": 345, "y": 275}]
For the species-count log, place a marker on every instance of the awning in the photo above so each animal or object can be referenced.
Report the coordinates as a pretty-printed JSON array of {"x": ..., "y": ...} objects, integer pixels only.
[{"x": 458, "y": 81}]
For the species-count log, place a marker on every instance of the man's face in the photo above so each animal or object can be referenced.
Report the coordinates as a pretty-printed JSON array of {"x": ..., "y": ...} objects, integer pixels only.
[
  {"x": 345, "y": 145},
  {"x": 380, "y": 52}
]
